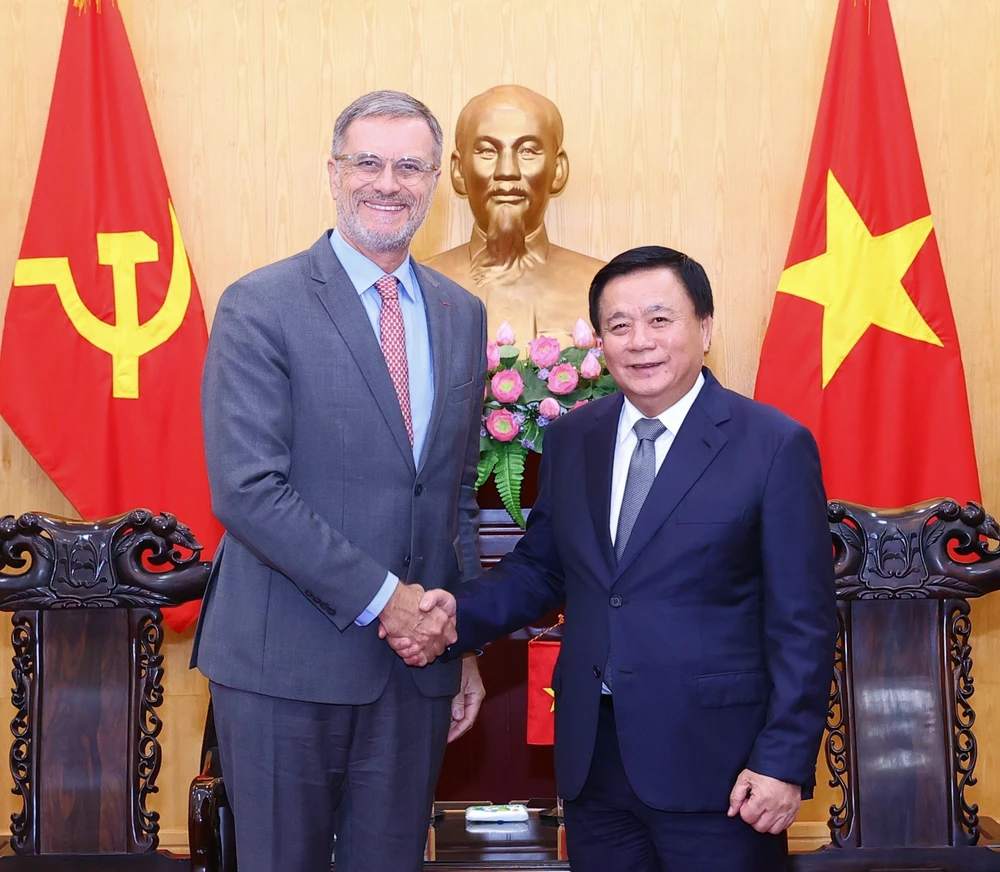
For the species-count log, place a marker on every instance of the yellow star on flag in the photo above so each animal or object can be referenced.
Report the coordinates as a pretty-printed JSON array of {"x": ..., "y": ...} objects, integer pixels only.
[
  {"x": 551, "y": 693},
  {"x": 858, "y": 280}
]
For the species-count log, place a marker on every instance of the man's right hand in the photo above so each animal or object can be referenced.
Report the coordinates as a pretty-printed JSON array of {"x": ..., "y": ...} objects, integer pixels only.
[
  {"x": 422, "y": 632},
  {"x": 767, "y": 804},
  {"x": 433, "y": 602}
]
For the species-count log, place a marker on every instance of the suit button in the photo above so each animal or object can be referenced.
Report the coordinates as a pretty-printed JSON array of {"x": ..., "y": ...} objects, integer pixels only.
[
  {"x": 615, "y": 601},
  {"x": 597, "y": 672},
  {"x": 418, "y": 490},
  {"x": 406, "y": 560}
]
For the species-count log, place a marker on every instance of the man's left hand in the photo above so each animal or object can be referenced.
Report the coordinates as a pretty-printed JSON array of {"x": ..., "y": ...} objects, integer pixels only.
[
  {"x": 466, "y": 703},
  {"x": 768, "y": 805}
]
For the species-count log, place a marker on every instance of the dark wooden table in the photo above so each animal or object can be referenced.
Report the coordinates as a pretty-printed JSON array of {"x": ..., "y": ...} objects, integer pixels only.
[{"x": 454, "y": 845}]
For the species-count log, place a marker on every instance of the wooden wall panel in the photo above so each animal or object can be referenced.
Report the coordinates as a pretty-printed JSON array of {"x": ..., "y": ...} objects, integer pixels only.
[{"x": 687, "y": 123}]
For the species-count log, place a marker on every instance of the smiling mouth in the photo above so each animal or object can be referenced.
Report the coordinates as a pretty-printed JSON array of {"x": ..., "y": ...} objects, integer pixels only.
[
  {"x": 385, "y": 207},
  {"x": 645, "y": 367},
  {"x": 508, "y": 198}
]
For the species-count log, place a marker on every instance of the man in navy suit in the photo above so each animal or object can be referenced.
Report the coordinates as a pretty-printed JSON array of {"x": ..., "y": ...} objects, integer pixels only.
[{"x": 684, "y": 526}]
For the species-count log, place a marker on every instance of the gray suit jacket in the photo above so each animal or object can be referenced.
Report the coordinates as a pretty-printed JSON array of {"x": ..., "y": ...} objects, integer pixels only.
[{"x": 313, "y": 477}]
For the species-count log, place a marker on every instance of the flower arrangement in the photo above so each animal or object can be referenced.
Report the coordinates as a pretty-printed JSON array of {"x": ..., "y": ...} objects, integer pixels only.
[{"x": 524, "y": 395}]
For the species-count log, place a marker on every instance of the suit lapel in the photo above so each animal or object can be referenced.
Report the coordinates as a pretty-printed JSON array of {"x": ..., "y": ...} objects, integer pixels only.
[
  {"x": 440, "y": 329},
  {"x": 599, "y": 454},
  {"x": 693, "y": 449},
  {"x": 347, "y": 312}
]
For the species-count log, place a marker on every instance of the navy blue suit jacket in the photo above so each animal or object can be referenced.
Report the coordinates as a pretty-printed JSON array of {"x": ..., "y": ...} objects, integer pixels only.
[{"x": 721, "y": 611}]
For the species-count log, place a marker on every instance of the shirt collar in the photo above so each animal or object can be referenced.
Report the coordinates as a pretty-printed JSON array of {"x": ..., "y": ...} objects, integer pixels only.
[
  {"x": 671, "y": 418},
  {"x": 363, "y": 272}
]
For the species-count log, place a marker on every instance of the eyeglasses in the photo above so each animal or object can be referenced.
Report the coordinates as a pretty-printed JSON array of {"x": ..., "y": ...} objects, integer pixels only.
[{"x": 368, "y": 167}]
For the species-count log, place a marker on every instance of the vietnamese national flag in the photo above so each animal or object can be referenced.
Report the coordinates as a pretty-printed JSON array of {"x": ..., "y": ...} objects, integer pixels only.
[
  {"x": 542, "y": 658},
  {"x": 105, "y": 336},
  {"x": 861, "y": 346}
]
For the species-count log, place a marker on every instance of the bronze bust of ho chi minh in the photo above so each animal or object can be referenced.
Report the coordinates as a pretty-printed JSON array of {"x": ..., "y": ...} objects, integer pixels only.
[{"x": 509, "y": 161}]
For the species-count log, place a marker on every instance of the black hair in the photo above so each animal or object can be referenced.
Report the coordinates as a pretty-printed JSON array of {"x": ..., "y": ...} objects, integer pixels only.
[{"x": 689, "y": 273}]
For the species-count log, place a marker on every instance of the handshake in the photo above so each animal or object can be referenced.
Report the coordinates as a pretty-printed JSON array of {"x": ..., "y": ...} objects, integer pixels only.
[{"x": 418, "y": 624}]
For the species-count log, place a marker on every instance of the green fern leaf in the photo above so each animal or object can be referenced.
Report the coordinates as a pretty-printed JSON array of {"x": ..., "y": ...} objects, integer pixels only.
[
  {"x": 509, "y": 475},
  {"x": 487, "y": 463}
]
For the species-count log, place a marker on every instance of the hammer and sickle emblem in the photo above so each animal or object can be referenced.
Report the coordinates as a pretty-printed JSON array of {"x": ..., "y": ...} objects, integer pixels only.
[{"x": 126, "y": 340}]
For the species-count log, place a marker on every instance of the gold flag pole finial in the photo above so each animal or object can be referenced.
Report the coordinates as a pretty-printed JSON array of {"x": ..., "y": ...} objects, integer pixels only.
[{"x": 82, "y": 6}]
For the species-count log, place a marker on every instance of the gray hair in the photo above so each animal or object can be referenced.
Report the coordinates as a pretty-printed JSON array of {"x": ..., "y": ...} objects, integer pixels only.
[{"x": 386, "y": 104}]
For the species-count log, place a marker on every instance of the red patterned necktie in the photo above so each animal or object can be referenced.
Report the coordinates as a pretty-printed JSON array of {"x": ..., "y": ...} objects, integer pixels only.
[{"x": 393, "y": 338}]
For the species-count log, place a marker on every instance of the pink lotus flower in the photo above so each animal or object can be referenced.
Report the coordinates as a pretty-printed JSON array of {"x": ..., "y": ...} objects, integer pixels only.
[
  {"x": 590, "y": 367},
  {"x": 563, "y": 379},
  {"x": 578, "y": 403},
  {"x": 501, "y": 425},
  {"x": 507, "y": 385},
  {"x": 505, "y": 335},
  {"x": 492, "y": 356},
  {"x": 583, "y": 336},
  {"x": 549, "y": 407},
  {"x": 544, "y": 351}
]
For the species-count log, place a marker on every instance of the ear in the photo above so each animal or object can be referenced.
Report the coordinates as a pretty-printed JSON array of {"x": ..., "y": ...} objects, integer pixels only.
[
  {"x": 331, "y": 166},
  {"x": 562, "y": 173},
  {"x": 706, "y": 333},
  {"x": 457, "y": 179}
]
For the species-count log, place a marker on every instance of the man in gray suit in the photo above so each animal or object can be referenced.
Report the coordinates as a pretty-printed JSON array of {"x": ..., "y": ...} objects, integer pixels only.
[{"x": 341, "y": 405}]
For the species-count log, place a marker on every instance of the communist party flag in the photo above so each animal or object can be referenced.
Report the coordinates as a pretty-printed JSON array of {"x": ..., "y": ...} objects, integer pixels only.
[
  {"x": 104, "y": 334},
  {"x": 542, "y": 658},
  {"x": 861, "y": 346}
]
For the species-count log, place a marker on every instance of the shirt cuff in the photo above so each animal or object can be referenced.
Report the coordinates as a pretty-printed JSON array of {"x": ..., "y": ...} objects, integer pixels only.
[{"x": 374, "y": 608}]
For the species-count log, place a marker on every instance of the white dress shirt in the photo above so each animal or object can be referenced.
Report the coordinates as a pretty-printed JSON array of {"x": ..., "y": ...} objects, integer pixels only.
[{"x": 672, "y": 419}]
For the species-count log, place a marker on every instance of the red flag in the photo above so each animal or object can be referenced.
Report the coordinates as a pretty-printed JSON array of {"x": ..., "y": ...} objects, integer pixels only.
[
  {"x": 105, "y": 334},
  {"x": 542, "y": 658},
  {"x": 861, "y": 346}
]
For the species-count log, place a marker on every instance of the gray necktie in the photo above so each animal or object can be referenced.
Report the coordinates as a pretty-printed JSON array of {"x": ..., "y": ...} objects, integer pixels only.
[{"x": 641, "y": 472}]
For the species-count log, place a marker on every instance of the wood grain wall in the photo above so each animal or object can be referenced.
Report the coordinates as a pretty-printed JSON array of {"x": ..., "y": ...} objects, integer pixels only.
[{"x": 688, "y": 123}]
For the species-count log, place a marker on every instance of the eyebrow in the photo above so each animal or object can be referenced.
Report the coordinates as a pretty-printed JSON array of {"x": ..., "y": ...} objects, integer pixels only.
[
  {"x": 496, "y": 141},
  {"x": 648, "y": 310}
]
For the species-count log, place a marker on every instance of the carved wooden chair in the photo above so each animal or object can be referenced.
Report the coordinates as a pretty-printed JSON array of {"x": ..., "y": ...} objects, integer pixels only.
[
  {"x": 86, "y": 598},
  {"x": 899, "y": 740}
]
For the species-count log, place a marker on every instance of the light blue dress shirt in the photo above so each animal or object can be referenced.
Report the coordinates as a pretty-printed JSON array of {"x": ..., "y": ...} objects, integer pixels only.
[{"x": 363, "y": 274}]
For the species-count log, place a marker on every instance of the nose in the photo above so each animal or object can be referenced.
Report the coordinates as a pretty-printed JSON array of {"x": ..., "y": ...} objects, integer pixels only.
[
  {"x": 641, "y": 337},
  {"x": 386, "y": 182},
  {"x": 507, "y": 167}
]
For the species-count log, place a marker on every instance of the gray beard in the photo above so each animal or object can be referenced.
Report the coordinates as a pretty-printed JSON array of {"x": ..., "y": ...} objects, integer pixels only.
[
  {"x": 380, "y": 242},
  {"x": 506, "y": 253}
]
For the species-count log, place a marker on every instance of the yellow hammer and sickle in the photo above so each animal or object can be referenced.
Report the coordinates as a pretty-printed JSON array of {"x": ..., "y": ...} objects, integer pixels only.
[{"x": 126, "y": 340}]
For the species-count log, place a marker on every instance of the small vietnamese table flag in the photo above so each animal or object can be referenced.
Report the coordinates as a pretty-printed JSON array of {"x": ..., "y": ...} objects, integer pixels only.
[
  {"x": 861, "y": 346},
  {"x": 542, "y": 658},
  {"x": 104, "y": 336}
]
